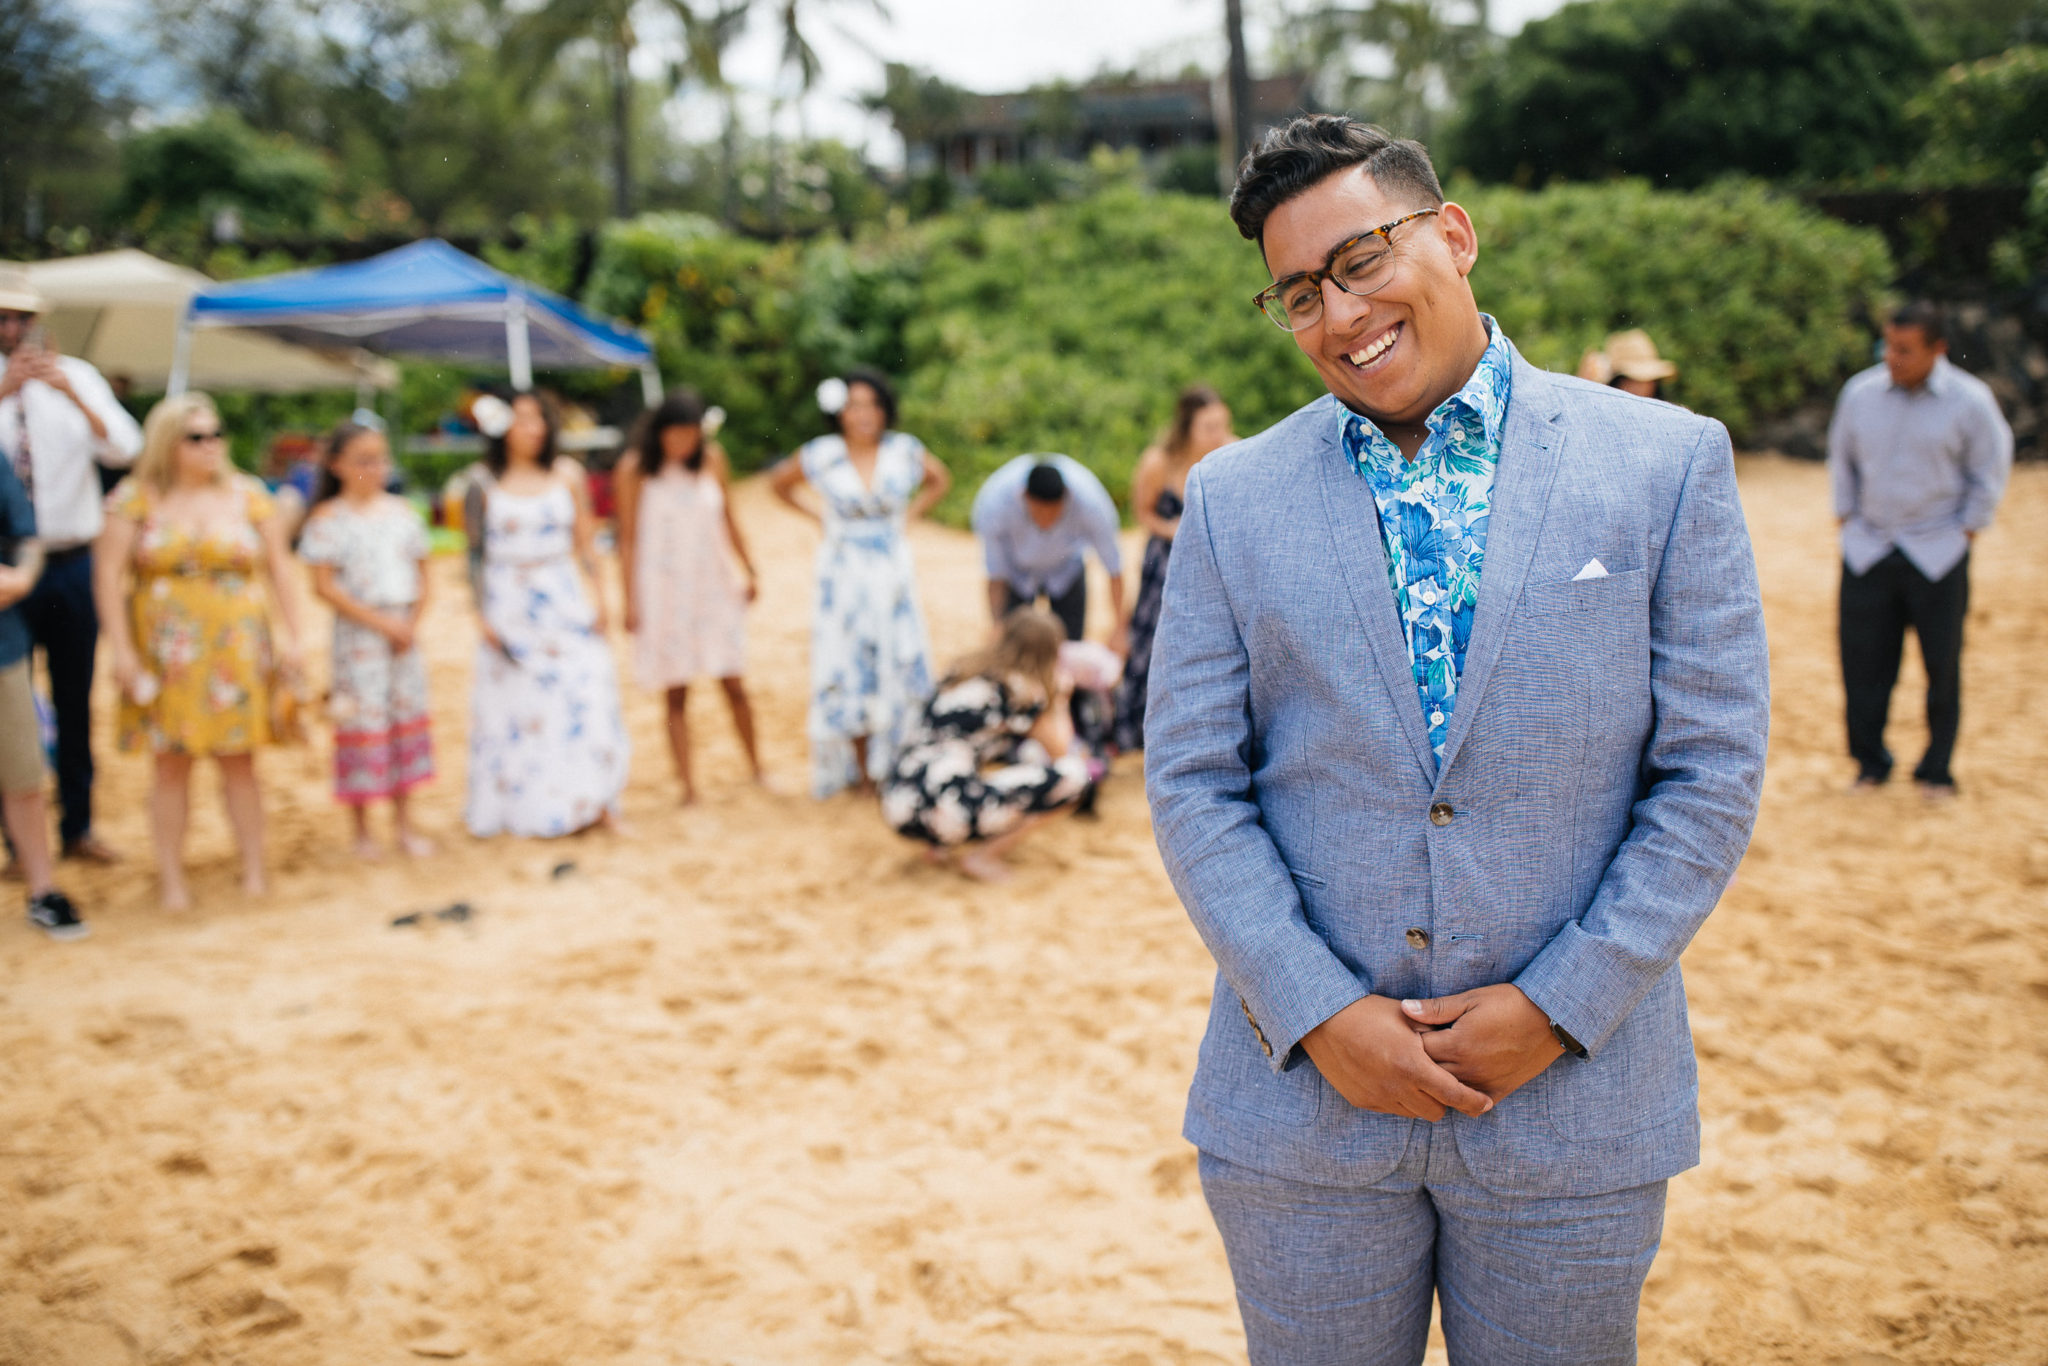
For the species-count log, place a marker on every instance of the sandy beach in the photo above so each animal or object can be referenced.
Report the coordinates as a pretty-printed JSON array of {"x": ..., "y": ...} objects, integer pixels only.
[{"x": 754, "y": 1084}]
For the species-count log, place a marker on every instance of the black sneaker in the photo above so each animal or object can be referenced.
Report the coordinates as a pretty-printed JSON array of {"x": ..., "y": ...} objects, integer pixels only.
[{"x": 54, "y": 915}]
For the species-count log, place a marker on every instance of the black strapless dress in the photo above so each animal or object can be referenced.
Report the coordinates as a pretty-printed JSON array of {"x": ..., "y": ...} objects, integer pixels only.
[{"x": 1130, "y": 697}]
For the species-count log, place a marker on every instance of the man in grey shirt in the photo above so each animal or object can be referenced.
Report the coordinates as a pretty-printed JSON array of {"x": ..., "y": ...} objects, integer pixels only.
[
  {"x": 1919, "y": 454},
  {"x": 1036, "y": 517}
]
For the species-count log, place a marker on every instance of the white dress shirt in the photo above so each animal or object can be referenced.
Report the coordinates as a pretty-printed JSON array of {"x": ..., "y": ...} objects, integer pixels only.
[
  {"x": 1916, "y": 469},
  {"x": 63, "y": 450}
]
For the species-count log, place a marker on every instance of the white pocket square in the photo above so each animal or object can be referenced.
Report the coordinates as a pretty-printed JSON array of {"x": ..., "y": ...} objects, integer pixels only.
[{"x": 1593, "y": 570}]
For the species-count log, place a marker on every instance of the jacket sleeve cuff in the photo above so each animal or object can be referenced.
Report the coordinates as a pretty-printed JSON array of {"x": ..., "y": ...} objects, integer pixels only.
[
  {"x": 1309, "y": 995},
  {"x": 1577, "y": 984}
]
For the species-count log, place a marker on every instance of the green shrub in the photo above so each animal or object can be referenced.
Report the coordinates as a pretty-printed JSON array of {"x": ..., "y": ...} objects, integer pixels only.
[
  {"x": 1760, "y": 301},
  {"x": 1985, "y": 121}
]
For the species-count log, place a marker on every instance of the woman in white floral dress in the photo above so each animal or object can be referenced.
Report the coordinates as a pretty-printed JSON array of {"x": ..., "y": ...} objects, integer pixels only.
[
  {"x": 988, "y": 759},
  {"x": 547, "y": 744},
  {"x": 870, "y": 658},
  {"x": 368, "y": 551}
]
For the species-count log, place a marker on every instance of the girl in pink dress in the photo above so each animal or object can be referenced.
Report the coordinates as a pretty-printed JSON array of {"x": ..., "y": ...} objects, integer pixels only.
[{"x": 682, "y": 558}]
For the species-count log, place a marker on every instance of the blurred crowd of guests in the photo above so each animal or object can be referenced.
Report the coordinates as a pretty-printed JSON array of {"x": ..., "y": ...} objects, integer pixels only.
[{"x": 187, "y": 570}]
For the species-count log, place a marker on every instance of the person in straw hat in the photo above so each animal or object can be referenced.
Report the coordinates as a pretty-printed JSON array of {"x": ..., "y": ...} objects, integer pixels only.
[
  {"x": 58, "y": 418},
  {"x": 1628, "y": 361}
]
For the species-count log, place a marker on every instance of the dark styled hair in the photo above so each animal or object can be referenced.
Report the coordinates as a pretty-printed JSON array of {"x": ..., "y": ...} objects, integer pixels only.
[
  {"x": 1192, "y": 400},
  {"x": 1302, "y": 152},
  {"x": 683, "y": 407},
  {"x": 885, "y": 393},
  {"x": 494, "y": 446},
  {"x": 329, "y": 485},
  {"x": 1045, "y": 484},
  {"x": 1925, "y": 314}
]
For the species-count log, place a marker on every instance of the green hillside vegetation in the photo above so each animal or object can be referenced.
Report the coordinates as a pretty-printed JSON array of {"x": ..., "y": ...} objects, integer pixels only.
[{"x": 1070, "y": 326}]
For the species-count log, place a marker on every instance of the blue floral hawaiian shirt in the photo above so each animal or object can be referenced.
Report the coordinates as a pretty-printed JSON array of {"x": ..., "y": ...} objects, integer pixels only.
[{"x": 1433, "y": 519}]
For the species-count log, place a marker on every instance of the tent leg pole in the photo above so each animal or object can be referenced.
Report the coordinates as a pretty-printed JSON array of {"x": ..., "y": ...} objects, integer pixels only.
[
  {"x": 518, "y": 345},
  {"x": 181, "y": 360},
  {"x": 650, "y": 386}
]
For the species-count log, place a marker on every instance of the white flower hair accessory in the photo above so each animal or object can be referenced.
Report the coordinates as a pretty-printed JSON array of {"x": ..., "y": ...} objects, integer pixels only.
[
  {"x": 492, "y": 415},
  {"x": 832, "y": 396},
  {"x": 714, "y": 418}
]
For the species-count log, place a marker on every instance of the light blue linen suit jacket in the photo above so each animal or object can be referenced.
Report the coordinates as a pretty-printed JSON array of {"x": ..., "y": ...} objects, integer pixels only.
[{"x": 1602, "y": 772}]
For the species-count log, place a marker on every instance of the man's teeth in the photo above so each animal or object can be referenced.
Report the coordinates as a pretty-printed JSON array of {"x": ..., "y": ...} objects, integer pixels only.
[{"x": 1376, "y": 350}]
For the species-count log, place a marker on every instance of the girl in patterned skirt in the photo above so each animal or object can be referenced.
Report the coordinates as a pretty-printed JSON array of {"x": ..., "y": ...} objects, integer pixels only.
[{"x": 368, "y": 551}]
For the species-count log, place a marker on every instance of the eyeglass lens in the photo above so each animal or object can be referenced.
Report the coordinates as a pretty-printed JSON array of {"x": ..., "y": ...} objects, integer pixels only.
[
  {"x": 195, "y": 438},
  {"x": 1360, "y": 270}
]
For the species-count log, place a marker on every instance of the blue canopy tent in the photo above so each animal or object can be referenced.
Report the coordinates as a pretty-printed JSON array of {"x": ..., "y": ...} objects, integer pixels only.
[{"x": 426, "y": 299}]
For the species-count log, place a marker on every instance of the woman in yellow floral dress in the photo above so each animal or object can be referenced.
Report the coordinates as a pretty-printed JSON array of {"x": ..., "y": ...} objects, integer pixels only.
[{"x": 179, "y": 573}]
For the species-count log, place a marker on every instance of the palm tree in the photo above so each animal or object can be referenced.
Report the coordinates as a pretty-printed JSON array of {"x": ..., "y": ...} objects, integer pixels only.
[
  {"x": 1432, "y": 47},
  {"x": 799, "y": 57},
  {"x": 540, "y": 35}
]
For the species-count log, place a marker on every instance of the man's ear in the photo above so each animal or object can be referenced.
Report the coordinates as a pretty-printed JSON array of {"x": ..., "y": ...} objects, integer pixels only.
[{"x": 1460, "y": 236}]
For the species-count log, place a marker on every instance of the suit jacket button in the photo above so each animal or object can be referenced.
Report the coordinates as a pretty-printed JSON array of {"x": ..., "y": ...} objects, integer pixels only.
[
  {"x": 1419, "y": 938},
  {"x": 1441, "y": 813}
]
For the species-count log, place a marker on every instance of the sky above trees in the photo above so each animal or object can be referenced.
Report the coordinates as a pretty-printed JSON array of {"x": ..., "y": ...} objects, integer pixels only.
[{"x": 984, "y": 45}]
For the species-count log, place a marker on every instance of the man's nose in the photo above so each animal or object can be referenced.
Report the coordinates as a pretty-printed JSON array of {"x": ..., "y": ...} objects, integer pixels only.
[{"x": 1342, "y": 310}]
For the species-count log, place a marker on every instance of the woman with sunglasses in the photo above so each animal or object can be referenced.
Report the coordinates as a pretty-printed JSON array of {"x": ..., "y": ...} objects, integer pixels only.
[{"x": 179, "y": 572}]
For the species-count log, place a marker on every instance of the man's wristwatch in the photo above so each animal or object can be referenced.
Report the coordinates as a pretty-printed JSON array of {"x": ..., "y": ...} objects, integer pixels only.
[{"x": 1571, "y": 1045}]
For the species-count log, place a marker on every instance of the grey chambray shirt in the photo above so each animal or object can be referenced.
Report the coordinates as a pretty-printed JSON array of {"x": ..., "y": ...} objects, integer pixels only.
[
  {"x": 1915, "y": 469},
  {"x": 1033, "y": 560}
]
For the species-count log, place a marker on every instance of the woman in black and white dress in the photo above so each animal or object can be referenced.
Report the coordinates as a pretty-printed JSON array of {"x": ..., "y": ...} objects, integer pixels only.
[{"x": 987, "y": 760}]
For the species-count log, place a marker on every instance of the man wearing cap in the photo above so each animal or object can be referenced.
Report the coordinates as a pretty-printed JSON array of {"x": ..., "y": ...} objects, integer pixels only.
[
  {"x": 1919, "y": 454},
  {"x": 1457, "y": 733},
  {"x": 58, "y": 419},
  {"x": 1037, "y": 517}
]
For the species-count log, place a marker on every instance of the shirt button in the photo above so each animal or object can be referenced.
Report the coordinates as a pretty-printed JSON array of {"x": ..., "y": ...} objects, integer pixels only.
[
  {"x": 1419, "y": 938},
  {"x": 1441, "y": 813}
]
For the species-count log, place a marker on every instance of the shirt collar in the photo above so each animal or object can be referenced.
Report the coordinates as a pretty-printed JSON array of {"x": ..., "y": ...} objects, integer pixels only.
[
  {"x": 1936, "y": 382},
  {"x": 1483, "y": 397}
]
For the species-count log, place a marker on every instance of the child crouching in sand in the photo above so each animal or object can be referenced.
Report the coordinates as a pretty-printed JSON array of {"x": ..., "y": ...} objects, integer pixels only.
[{"x": 368, "y": 552}]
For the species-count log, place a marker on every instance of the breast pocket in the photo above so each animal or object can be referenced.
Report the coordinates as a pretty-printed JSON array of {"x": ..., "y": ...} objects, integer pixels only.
[{"x": 1608, "y": 593}]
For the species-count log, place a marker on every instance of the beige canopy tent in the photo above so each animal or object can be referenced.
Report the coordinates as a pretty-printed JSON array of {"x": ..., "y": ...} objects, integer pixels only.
[{"x": 121, "y": 311}]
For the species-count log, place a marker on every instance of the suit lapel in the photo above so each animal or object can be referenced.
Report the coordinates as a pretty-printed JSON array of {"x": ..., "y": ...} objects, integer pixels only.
[
  {"x": 1362, "y": 559},
  {"x": 1530, "y": 451}
]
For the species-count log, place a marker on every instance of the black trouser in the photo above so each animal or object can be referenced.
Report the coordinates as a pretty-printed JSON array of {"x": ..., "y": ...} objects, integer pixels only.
[
  {"x": 1877, "y": 607},
  {"x": 1071, "y": 607},
  {"x": 62, "y": 621}
]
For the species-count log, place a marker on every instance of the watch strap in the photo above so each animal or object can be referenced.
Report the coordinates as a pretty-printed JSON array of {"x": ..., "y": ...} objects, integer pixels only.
[{"x": 1571, "y": 1045}]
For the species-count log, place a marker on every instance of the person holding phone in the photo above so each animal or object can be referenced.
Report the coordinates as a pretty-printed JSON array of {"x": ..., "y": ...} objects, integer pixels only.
[{"x": 58, "y": 420}]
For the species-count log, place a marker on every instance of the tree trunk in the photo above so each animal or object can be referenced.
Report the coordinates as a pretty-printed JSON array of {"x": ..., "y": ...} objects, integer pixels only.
[
  {"x": 729, "y": 154},
  {"x": 1240, "y": 82},
  {"x": 622, "y": 132}
]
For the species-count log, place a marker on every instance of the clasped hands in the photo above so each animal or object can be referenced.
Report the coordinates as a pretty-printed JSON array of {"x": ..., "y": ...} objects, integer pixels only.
[{"x": 1466, "y": 1052}]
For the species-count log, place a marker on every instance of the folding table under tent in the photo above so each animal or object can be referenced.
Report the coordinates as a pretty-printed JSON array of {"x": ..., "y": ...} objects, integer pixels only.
[{"x": 424, "y": 300}]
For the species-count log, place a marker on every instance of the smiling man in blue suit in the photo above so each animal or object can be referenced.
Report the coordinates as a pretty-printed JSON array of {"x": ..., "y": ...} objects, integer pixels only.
[{"x": 1461, "y": 699}]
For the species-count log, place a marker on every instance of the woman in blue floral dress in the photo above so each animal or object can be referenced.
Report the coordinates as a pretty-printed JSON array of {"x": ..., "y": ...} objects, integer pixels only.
[
  {"x": 547, "y": 744},
  {"x": 870, "y": 658}
]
